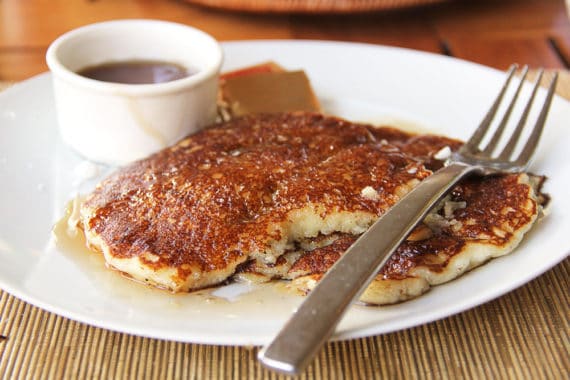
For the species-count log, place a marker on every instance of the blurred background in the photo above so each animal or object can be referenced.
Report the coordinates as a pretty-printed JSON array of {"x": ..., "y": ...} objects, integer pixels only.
[
  {"x": 523, "y": 334},
  {"x": 492, "y": 32}
]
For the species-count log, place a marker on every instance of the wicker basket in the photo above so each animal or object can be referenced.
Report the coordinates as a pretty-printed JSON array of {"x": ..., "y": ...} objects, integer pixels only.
[{"x": 311, "y": 6}]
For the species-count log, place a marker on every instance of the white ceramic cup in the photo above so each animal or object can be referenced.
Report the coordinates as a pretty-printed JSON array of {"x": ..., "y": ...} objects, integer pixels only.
[{"x": 117, "y": 123}]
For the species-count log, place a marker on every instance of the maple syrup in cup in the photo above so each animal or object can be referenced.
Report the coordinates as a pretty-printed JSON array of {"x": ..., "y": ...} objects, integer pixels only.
[
  {"x": 109, "y": 121},
  {"x": 136, "y": 72}
]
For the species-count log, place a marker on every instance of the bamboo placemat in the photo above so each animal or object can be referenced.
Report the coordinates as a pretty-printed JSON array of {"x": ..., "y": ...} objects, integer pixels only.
[{"x": 524, "y": 334}]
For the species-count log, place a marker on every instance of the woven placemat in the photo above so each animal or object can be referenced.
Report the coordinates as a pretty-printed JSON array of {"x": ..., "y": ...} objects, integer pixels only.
[
  {"x": 524, "y": 334},
  {"x": 311, "y": 6}
]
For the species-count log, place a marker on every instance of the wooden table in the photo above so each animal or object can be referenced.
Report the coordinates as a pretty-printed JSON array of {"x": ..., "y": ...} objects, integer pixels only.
[
  {"x": 493, "y": 32},
  {"x": 523, "y": 334}
]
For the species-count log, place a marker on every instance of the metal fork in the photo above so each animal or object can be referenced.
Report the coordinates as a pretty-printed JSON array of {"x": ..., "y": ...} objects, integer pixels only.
[{"x": 315, "y": 320}]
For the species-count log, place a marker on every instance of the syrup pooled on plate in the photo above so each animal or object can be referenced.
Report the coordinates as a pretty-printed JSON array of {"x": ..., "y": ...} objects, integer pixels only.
[{"x": 230, "y": 302}]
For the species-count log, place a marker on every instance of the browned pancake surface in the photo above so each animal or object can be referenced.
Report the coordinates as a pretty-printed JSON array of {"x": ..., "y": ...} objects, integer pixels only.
[
  {"x": 214, "y": 198},
  {"x": 495, "y": 207}
]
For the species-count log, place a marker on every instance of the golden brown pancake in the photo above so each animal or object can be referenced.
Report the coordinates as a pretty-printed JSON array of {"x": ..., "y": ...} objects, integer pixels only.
[
  {"x": 284, "y": 195},
  {"x": 187, "y": 216},
  {"x": 480, "y": 220}
]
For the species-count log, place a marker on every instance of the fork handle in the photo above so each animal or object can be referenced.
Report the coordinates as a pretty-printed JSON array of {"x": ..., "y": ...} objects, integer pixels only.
[{"x": 316, "y": 318}]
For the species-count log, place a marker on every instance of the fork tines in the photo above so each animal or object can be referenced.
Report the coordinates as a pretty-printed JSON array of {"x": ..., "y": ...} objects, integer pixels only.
[{"x": 491, "y": 148}]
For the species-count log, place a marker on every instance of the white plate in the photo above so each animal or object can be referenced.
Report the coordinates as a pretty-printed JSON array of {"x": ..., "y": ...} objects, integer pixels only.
[{"x": 357, "y": 81}]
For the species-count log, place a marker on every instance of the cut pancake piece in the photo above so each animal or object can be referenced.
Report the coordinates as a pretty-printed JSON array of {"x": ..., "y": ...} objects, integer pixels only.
[
  {"x": 256, "y": 270},
  {"x": 480, "y": 220}
]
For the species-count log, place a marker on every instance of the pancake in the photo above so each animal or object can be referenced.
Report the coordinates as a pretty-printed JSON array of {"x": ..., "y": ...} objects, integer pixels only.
[
  {"x": 480, "y": 220},
  {"x": 187, "y": 216},
  {"x": 282, "y": 196}
]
